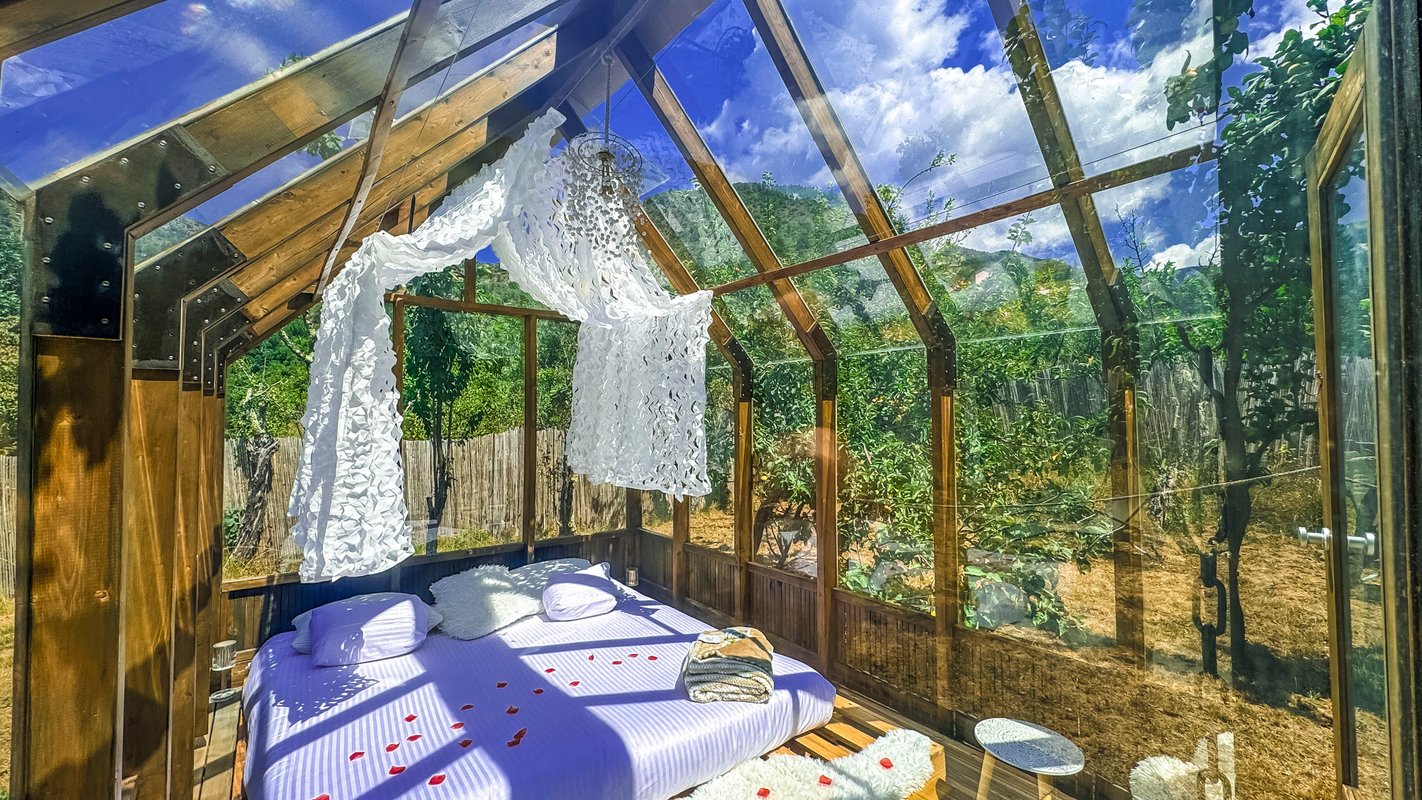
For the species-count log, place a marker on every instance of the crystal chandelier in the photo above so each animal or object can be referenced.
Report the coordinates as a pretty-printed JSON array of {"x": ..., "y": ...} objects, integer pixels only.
[{"x": 606, "y": 158}]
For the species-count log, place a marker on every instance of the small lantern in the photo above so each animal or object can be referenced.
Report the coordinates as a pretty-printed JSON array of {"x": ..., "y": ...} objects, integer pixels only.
[
  {"x": 631, "y": 576},
  {"x": 224, "y": 659}
]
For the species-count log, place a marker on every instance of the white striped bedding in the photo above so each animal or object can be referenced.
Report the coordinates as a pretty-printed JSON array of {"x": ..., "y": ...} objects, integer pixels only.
[{"x": 585, "y": 710}]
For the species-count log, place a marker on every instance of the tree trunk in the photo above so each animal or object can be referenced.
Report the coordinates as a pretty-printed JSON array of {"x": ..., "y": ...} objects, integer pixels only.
[{"x": 256, "y": 465}]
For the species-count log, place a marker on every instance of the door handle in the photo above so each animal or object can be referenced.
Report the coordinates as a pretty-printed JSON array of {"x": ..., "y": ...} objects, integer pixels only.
[{"x": 1365, "y": 543}]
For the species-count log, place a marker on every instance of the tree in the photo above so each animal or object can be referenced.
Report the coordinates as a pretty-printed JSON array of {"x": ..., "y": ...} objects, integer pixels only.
[{"x": 1264, "y": 343}]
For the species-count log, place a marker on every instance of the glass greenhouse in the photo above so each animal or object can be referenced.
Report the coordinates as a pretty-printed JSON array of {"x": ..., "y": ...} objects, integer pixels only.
[{"x": 1060, "y": 371}]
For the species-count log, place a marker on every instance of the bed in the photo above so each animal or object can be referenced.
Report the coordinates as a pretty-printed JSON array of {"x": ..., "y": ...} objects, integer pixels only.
[{"x": 584, "y": 710}]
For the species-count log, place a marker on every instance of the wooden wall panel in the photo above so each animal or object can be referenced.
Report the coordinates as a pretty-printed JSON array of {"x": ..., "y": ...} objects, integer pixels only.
[
  {"x": 188, "y": 547},
  {"x": 68, "y": 674},
  {"x": 149, "y": 549}
]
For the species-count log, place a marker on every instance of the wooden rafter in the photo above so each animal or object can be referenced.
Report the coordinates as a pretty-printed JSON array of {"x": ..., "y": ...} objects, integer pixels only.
[
  {"x": 1159, "y": 165},
  {"x": 636, "y": 59},
  {"x": 793, "y": 63},
  {"x": 412, "y": 40},
  {"x": 1110, "y": 302},
  {"x": 27, "y": 24},
  {"x": 713, "y": 179}
]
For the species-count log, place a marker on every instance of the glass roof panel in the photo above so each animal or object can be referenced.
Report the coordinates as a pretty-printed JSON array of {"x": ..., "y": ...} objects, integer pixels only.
[
  {"x": 679, "y": 208},
  {"x": 1163, "y": 233},
  {"x": 858, "y": 307},
  {"x": 68, "y": 99},
  {"x": 1111, "y": 60},
  {"x": 760, "y": 326},
  {"x": 1015, "y": 279},
  {"x": 730, "y": 88},
  {"x": 928, "y": 100}
]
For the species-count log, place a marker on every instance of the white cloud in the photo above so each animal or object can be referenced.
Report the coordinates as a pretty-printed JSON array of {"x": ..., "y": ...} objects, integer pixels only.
[{"x": 1186, "y": 256}]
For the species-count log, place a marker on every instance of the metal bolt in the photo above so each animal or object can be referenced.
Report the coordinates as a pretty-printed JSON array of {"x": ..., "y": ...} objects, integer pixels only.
[
  {"x": 108, "y": 245},
  {"x": 162, "y": 142},
  {"x": 172, "y": 358},
  {"x": 123, "y": 160},
  {"x": 142, "y": 204},
  {"x": 177, "y": 186},
  {"x": 104, "y": 284},
  {"x": 84, "y": 179},
  {"x": 44, "y": 299},
  {"x": 211, "y": 167},
  {"x": 49, "y": 220},
  {"x": 103, "y": 320},
  {"x": 45, "y": 259}
]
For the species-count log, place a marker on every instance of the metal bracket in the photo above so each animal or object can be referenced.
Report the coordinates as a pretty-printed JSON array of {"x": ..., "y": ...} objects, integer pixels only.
[
  {"x": 161, "y": 296},
  {"x": 218, "y": 308},
  {"x": 83, "y": 223}
]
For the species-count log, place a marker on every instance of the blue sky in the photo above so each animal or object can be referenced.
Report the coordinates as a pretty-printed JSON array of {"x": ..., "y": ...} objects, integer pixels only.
[{"x": 908, "y": 78}]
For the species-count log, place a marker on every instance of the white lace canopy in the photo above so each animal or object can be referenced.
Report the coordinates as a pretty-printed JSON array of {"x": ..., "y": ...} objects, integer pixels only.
[{"x": 639, "y": 390}]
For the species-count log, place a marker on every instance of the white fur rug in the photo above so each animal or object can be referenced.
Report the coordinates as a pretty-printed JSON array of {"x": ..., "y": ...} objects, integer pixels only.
[{"x": 892, "y": 768}]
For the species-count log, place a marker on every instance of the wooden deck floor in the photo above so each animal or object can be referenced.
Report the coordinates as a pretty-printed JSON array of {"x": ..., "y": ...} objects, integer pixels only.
[{"x": 855, "y": 724}]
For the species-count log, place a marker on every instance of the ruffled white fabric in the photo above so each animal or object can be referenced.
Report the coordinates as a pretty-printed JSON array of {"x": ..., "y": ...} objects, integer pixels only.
[{"x": 639, "y": 380}]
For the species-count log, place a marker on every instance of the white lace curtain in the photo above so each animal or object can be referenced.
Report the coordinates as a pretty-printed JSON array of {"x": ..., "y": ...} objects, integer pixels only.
[{"x": 639, "y": 391}]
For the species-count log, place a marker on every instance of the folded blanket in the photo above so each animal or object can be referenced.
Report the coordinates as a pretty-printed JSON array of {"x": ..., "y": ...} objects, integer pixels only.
[{"x": 729, "y": 665}]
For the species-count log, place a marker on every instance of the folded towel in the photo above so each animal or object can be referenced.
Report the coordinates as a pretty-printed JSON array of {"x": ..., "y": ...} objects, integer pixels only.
[{"x": 729, "y": 665}]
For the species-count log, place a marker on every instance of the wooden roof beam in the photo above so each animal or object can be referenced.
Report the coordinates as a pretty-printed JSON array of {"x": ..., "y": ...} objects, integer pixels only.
[
  {"x": 412, "y": 40},
  {"x": 27, "y": 24},
  {"x": 578, "y": 44},
  {"x": 1048, "y": 117},
  {"x": 793, "y": 63},
  {"x": 664, "y": 103}
]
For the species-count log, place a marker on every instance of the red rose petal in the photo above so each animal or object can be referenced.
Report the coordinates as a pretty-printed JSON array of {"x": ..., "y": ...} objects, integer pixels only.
[
  {"x": 357, "y": 754},
  {"x": 886, "y": 763},
  {"x": 590, "y": 658},
  {"x": 396, "y": 770},
  {"x": 410, "y": 717},
  {"x": 825, "y": 781},
  {"x": 513, "y": 709},
  {"x": 323, "y": 797},
  {"x": 519, "y": 736},
  {"x": 390, "y": 748},
  {"x": 501, "y": 684},
  {"x": 762, "y": 792},
  {"x": 575, "y": 683},
  {"x": 512, "y": 743},
  {"x": 651, "y": 658},
  {"x": 436, "y": 780},
  {"x": 465, "y": 742},
  {"x": 538, "y": 691},
  {"x": 456, "y": 726},
  {"x": 631, "y": 655},
  {"x": 550, "y": 670},
  {"x": 466, "y": 706},
  {"x": 616, "y": 663},
  {"x": 414, "y": 737}
]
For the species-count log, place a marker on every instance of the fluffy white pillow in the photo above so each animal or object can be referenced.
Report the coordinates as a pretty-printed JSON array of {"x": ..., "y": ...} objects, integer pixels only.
[
  {"x": 482, "y": 600},
  {"x": 302, "y": 642},
  {"x": 353, "y": 633},
  {"x": 581, "y": 594}
]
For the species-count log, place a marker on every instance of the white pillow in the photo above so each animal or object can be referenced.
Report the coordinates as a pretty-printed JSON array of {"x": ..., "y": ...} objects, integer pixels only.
[
  {"x": 343, "y": 634},
  {"x": 482, "y": 600},
  {"x": 302, "y": 642},
  {"x": 581, "y": 594}
]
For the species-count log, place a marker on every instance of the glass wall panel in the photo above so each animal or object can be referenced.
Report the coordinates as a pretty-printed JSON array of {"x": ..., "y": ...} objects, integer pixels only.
[
  {"x": 463, "y": 409},
  {"x": 887, "y": 70},
  {"x": 11, "y": 255},
  {"x": 68, "y": 99},
  {"x": 657, "y": 513},
  {"x": 266, "y": 396},
  {"x": 1034, "y": 459},
  {"x": 567, "y": 503},
  {"x": 783, "y": 527},
  {"x": 885, "y": 486},
  {"x": 731, "y": 90},
  {"x": 493, "y": 286},
  {"x": 713, "y": 516}
]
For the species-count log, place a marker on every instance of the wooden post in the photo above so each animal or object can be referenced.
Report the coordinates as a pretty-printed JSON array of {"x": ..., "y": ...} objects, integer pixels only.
[
  {"x": 150, "y": 527},
  {"x": 742, "y": 503},
  {"x": 68, "y": 699},
  {"x": 826, "y": 510},
  {"x": 530, "y": 435},
  {"x": 681, "y": 534},
  {"x": 188, "y": 550},
  {"x": 942, "y": 380}
]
